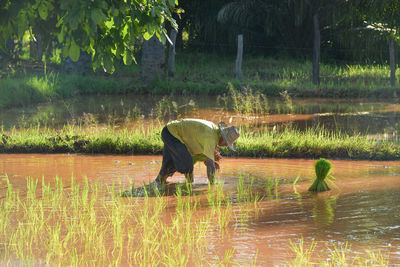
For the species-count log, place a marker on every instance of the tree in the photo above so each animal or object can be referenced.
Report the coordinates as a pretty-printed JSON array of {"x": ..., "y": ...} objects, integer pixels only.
[
  {"x": 106, "y": 29},
  {"x": 382, "y": 18},
  {"x": 199, "y": 21},
  {"x": 296, "y": 23}
]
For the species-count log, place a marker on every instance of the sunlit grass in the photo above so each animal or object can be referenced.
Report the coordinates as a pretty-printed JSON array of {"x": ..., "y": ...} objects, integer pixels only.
[
  {"x": 198, "y": 73},
  {"x": 311, "y": 143},
  {"x": 314, "y": 143}
]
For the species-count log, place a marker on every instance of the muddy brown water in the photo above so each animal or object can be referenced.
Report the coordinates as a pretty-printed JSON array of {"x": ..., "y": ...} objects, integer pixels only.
[
  {"x": 352, "y": 116},
  {"x": 362, "y": 209}
]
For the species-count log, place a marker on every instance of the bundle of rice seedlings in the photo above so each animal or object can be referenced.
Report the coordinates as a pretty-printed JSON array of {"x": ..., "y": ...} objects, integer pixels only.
[{"x": 322, "y": 168}]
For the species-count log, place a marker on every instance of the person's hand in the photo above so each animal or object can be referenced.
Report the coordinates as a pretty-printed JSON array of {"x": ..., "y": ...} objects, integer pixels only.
[
  {"x": 217, "y": 167},
  {"x": 210, "y": 170}
]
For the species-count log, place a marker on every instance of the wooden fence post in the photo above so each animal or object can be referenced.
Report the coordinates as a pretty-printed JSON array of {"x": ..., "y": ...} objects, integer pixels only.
[
  {"x": 239, "y": 57},
  {"x": 172, "y": 53},
  {"x": 316, "y": 50},
  {"x": 392, "y": 62}
]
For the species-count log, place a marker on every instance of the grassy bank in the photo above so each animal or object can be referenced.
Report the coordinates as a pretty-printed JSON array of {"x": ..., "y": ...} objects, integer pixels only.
[
  {"x": 75, "y": 224},
  {"x": 206, "y": 74},
  {"x": 290, "y": 143}
]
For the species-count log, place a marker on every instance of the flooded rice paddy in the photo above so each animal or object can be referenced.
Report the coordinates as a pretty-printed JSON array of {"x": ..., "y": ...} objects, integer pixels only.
[
  {"x": 361, "y": 209},
  {"x": 366, "y": 117}
]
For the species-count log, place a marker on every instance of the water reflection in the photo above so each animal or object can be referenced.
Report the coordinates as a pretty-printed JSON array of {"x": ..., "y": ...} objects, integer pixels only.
[
  {"x": 380, "y": 119},
  {"x": 324, "y": 209},
  {"x": 363, "y": 209}
]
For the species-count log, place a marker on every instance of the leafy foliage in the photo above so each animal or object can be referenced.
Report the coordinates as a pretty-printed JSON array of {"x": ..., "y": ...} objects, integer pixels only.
[
  {"x": 106, "y": 29},
  {"x": 285, "y": 27}
]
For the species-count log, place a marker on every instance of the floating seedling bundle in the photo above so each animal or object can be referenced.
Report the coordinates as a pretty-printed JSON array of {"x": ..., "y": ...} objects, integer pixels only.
[{"x": 322, "y": 169}]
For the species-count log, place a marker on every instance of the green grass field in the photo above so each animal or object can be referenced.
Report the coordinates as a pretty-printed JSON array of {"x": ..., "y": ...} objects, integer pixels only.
[{"x": 204, "y": 74}]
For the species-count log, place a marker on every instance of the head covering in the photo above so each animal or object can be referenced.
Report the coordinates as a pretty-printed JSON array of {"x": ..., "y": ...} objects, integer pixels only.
[{"x": 230, "y": 134}]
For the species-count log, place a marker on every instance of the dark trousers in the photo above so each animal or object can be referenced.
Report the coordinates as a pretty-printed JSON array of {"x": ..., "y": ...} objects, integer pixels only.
[{"x": 176, "y": 157}]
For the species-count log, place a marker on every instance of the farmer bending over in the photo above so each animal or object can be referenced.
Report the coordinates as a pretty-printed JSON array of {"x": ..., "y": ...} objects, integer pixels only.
[{"x": 187, "y": 141}]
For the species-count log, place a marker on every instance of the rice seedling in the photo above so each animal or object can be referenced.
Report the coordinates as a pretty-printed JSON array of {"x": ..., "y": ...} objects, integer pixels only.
[
  {"x": 336, "y": 255},
  {"x": 221, "y": 206},
  {"x": 215, "y": 195},
  {"x": 302, "y": 254},
  {"x": 322, "y": 169},
  {"x": 85, "y": 223},
  {"x": 276, "y": 188},
  {"x": 269, "y": 185},
  {"x": 228, "y": 258},
  {"x": 245, "y": 190},
  {"x": 74, "y": 225}
]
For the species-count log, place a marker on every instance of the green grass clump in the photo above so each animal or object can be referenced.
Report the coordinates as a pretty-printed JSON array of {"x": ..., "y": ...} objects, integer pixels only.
[
  {"x": 144, "y": 140},
  {"x": 32, "y": 89},
  {"x": 322, "y": 169}
]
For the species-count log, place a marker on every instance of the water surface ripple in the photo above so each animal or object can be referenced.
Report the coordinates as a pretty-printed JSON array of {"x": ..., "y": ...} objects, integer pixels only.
[{"x": 362, "y": 208}]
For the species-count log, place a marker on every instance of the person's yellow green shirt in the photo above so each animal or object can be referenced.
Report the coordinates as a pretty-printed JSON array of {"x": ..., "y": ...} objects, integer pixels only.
[{"x": 199, "y": 136}]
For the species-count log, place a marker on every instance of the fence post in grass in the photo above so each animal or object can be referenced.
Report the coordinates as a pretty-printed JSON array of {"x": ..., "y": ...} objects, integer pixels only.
[
  {"x": 239, "y": 57},
  {"x": 172, "y": 53},
  {"x": 392, "y": 62},
  {"x": 316, "y": 49}
]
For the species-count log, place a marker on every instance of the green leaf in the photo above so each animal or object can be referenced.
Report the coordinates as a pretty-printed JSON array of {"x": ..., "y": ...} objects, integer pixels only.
[
  {"x": 74, "y": 51},
  {"x": 60, "y": 36},
  {"x": 124, "y": 31},
  {"x": 115, "y": 12},
  {"x": 147, "y": 35},
  {"x": 73, "y": 18},
  {"x": 102, "y": 4},
  {"x": 96, "y": 62},
  {"x": 98, "y": 16},
  {"x": 108, "y": 65},
  {"x": 43, "y": 11},
  {"x": 127, "y": 57},
  {"x": 3, "y": 44},
  {"x": 22, "y": 24}
]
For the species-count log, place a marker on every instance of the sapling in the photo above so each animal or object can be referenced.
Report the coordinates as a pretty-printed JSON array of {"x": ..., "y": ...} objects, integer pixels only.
[{"x": 322, "y": 168}]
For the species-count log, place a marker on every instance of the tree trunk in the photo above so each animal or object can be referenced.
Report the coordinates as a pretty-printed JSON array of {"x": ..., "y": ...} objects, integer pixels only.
[
  {"x": 316, "y": 49},
  {"x": 153, "y": 59},
  {"x": 82, "y": 66},
  {"x": 392, "y": 62},
  {"x": 239, "y": 57},
  {"x": 171, "y": 54},
  {"x": 36, "y": 49}
]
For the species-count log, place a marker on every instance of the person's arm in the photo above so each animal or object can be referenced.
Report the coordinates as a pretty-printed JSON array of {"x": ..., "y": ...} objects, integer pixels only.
[{"x": 210, "y": 170}]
